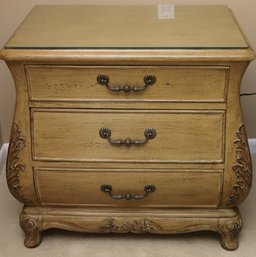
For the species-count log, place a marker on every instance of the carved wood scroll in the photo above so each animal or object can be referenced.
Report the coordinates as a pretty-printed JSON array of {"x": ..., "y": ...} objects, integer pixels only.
[
  {"x": 242, "y": 169},
  {"x": 14, "y": 166}
]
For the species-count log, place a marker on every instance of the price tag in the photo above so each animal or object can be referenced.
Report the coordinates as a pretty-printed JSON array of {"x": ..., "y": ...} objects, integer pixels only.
[{"x": 166, "y": 11}]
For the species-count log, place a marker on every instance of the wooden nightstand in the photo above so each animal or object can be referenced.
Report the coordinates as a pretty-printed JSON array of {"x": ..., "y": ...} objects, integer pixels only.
[{"x": 125, "y": 122}]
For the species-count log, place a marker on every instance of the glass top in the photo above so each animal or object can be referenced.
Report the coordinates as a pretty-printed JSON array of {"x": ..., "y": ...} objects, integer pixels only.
[{"x": 127, "y": 27}]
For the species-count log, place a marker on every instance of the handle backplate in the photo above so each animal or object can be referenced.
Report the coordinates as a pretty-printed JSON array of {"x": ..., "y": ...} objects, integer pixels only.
[
  {"x": 107, "y": 188},
  {"x": 148, "y": 79},
  {"x": 149, "y": 134}
]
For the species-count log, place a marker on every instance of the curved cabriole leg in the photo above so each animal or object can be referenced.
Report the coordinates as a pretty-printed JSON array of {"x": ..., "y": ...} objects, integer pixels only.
[
  {"x": 229, "y": 234},
  {"x": 32, "y": 228}
]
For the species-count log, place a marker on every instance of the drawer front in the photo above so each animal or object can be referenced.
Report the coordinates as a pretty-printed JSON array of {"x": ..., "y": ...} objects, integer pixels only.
[
  {"x": 172, "y": 188},
  {"x": 173, "y": 83},
  {"x": 73, "y": 135}
]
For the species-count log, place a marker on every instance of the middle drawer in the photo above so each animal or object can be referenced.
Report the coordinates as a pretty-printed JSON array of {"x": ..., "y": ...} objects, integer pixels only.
[{"x": 128, "y": 136}]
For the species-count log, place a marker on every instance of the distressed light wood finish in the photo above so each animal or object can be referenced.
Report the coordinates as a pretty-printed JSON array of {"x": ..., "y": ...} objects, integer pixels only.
[
  {"x": 69, "y": 83},
  {"x": 173, "y": 188},
  {"x": 199, "y": 160},
  {"x": 79, "y": 130}
]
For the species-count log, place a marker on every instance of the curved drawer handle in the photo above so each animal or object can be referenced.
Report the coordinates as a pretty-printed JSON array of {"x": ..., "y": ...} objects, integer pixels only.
[
  {"x": 149, "y": 134},
  {"x": 106, "y": 188},
  {"x": 149, "y": 80}
]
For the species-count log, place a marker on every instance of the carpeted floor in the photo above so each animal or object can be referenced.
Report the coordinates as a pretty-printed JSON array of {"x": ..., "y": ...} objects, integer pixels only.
[{"x": 58, "y": 243}]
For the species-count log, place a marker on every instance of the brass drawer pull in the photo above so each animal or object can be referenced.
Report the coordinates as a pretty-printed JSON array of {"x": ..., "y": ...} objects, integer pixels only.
[
  {"x": 149, "y": 133},
  {"x": 149, "y": 80},
  {"x": 106, "y": 188}
]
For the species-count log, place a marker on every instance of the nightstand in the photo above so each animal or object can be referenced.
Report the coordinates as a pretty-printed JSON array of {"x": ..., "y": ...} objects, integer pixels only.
[{"x": 126, "y": 122}]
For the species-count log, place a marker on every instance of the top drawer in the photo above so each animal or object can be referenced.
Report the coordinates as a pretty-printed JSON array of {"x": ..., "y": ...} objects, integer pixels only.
[{"x": 173, "y": 83}]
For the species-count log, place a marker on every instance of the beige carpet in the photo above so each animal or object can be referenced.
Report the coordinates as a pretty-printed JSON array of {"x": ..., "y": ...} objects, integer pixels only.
[{"x": 58, "y": 243}]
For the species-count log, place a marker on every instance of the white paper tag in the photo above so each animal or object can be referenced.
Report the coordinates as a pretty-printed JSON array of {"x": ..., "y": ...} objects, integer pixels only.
[{"x": 166, "y": 11}]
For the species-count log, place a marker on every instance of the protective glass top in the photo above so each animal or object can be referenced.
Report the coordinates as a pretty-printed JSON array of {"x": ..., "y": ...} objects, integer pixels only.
[{"x": 127, "y": 27}]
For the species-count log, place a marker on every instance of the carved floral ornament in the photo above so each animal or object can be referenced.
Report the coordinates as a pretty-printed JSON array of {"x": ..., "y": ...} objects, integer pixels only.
[
  {"x": 14, "y": 165},
  {"x": 134, "y": 226},
  {"x": 242, "y": 169}
]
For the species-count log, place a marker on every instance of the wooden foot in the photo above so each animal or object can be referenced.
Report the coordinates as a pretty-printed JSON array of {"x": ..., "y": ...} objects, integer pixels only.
[
  {"x": 229, "y": 234},
  {"x": 32, "y": 228},
  {"x": 229, "y": 242}
]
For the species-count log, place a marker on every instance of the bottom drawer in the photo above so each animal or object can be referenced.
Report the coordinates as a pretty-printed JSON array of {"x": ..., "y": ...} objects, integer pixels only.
[{"x": 189, "y": 188}]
